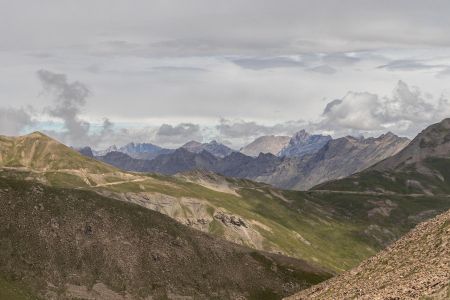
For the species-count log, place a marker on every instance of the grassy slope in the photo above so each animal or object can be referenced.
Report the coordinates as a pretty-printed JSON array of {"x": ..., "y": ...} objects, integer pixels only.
[
  {"x": 13, "y": 291},
  {"x": 60, "y": 236},
  {"x": 331, "y": 229},
  {"x": 435, "y": 180}
]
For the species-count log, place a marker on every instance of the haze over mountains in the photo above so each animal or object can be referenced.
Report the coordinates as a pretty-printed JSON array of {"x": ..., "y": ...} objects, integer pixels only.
[
  {"x": 306, "y": 160},
  {"x": 115, "y": 229}
]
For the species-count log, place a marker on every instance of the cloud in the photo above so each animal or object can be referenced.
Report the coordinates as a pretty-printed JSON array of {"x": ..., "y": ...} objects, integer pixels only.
[
  {"x": 68, "y": 100},
  {"x": 178, "y": 134},
  {"x": 410, "y": 65},
  {"x": 240, "y": 129},
  {"x": 13, "y": 121},
  {"x": 324, "y": 69},
  {"x": 257, "y": 63},
  {"x": 406, "y": 111}
]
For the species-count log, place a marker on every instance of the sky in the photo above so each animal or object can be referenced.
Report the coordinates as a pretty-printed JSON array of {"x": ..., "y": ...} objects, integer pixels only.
[{"x": 103, "y": 72}]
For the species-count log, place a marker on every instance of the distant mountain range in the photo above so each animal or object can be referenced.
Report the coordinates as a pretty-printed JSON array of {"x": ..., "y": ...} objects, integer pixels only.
[
  {"x": 305, "y": 161},
  {"x": 135, "y": 150}
]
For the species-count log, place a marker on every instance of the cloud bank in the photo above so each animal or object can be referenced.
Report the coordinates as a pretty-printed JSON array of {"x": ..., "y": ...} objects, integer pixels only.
[{"x": 405, "y": 112}]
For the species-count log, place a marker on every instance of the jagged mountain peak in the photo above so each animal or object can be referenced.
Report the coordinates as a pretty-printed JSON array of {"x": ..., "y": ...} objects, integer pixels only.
[
  {"x": 433, "y": 141},
  {"x": 303, "y": 143}
]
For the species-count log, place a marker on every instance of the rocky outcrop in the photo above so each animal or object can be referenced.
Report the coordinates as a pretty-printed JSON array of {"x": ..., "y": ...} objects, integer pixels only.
[
  {"x": 229, "y": 219},
  {"x": 415, "y": 267},
  {"x": 266, "y": 144}
]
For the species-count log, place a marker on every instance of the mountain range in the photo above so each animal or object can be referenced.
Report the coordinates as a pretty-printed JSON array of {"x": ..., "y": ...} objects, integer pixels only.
[
  {"x": 74, "y": 226},
  {"x": 304, "y": 162}
]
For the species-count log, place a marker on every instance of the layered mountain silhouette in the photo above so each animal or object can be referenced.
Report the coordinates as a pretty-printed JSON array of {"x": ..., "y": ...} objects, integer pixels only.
[{"x": 303, "y": 163}]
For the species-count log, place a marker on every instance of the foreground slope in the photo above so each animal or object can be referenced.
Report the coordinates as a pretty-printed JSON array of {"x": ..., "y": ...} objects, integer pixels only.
[
  {"x": 423, "y": 167},
  {"x": 334, "y": 230},
  {"x": 65, "y": 243},
  {"x": 416, "y": 266}
]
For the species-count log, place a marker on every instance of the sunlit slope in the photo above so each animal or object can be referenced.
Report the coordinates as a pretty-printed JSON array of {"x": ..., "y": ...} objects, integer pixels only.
[{"x": 415, "y": 267}]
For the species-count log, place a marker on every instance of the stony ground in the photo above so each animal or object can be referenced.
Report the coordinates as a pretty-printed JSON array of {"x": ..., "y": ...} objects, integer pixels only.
[{"x": 415, "y": 267}]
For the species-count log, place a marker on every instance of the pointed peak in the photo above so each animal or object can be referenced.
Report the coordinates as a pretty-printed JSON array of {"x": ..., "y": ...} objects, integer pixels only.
[
  {"x": 37, "y": 134},
  {"x": 191, "y": 143}
]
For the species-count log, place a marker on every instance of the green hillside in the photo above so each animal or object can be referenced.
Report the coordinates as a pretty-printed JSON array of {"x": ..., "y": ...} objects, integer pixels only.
[
  {"x": 67, "y": 243},
  {"x": 336, "y": 230}
]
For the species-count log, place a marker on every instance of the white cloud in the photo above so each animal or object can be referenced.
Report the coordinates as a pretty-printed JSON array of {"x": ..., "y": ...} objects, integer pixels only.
[{"x": 406, "y": 111}]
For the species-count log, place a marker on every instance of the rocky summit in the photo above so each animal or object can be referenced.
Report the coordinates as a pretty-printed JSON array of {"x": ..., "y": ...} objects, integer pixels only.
[
  {"x": 303, "y": 143},
  {"x": 266, "y": 144}
]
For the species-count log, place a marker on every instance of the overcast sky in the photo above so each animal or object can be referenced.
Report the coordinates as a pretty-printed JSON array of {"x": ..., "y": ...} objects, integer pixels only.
[{"x": 100, "y": 72}]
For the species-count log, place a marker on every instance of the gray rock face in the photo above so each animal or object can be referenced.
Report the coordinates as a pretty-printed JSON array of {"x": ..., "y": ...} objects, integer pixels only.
[
  {"x": 338, "y": 158},
  {"x": 213, "y": 147},
  {"x": 434, "y": 141},
  {"x": 303, "y": 143},
  {"x": 266, "y": 144}
]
